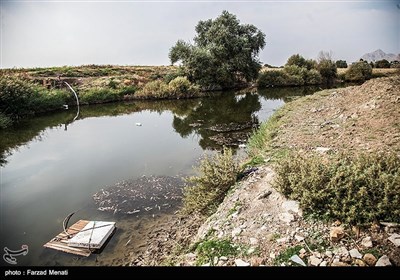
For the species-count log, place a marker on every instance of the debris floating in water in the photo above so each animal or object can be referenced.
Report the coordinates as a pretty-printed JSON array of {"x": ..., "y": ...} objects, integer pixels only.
[
  {"x": 138, "y": 124},
  {"x": 146, "y": 194}
]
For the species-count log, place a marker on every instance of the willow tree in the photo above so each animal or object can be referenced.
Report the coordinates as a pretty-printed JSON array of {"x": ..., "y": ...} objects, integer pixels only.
[{"x": 224, "y": 53}]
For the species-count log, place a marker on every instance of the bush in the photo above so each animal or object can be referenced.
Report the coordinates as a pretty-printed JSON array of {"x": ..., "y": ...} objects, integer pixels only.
[
  {"x": 155, "y": 89},
  {"x": 128, "y": 90},
  {"x": 291, "y": 75},
  {"x": 272, "y": 78},
  {"x": 206, "y": 191},
  {"x": 207, "y": 250},
  {"x": 296, "y": 60},
  {"x": 48, "y": 100},
  {"x": 5, "y": 121},
  {"x": 313, "y": 77},
  {"x": 94, "y": 96},
  {"x": 180, "y": 86},
  {"x": 382, "y": 64},
  {"x": 356, "y": 190},
  {"x": 328, "y": 70},
  {"x": 20, "y": 97},
  {"x": 294, "y": 80},
  {"x": 180, "y": 72},
  {"x": 15, "y": 94},
  {"x": 341, "y": 64},
  {"x": 294, "y": 70},
  {"x": 358, "y": 72}
]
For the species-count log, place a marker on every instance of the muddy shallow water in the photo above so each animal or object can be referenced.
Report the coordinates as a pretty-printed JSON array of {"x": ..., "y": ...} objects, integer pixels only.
[{"x": 52, "y": 167}]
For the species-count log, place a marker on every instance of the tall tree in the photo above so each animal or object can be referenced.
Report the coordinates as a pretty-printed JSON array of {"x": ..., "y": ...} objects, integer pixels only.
[{"x": 224, "y": 52}]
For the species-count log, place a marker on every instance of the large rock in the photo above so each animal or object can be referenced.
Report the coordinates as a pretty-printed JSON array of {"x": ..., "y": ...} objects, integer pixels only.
[
  {"x": 314, "y": 261},
  {"x": 240, "y": 262},
  {"x": 322, "y": 150},
  {"x": 367, "y": 242},
  {"x": 383, "y": 261},
  {"x": 355, "y": 254},
  {"x": 342, "y": 252},
  {"x": 339, "y": 264},
  {"x": 395, "y": 239},
  {"x": 336, "y": 233},
  {"x": 359, "y": 262},
  {"x": 292, "y": 206},
  {"x": 369, "y": 259},
  {"x": 286, "y": 217},
  {"x": 236, "y": 231},
  {"x": 298, "y": 260}
]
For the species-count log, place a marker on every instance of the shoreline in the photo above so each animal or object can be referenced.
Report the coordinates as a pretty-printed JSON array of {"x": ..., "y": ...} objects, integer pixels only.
[
  {"x": 268, "y": 229},
  {"x": 101, "y": 84}
]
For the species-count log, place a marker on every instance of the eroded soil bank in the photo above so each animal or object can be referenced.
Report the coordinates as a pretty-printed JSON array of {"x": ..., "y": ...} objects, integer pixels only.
[{"x": 268, "y": 229}]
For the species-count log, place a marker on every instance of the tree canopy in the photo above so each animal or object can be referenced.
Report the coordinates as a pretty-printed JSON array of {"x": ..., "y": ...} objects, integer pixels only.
[{"x": 224, "y": 53}]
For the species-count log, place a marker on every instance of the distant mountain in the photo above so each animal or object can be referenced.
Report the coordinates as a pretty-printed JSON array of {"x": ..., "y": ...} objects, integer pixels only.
[{"x": 379, "y": 55}]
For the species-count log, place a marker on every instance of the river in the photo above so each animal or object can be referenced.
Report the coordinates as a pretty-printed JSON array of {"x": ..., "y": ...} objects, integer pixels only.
[{"x": 51, "y": 166}]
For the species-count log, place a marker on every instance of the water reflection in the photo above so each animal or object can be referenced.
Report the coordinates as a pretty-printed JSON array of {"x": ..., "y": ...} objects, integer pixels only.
[
  {"x": 223, "y": 121},
  {"x": 52, "y": 172}
]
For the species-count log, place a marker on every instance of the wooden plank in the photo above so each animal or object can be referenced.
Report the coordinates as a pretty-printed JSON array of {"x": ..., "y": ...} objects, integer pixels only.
[{"x": 60, "y": 241}]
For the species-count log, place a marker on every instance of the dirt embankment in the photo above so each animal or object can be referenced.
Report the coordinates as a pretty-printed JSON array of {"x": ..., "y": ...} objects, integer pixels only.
[
  {"x": 268, "y": 229},
  {"x": 357, "y": 118}
]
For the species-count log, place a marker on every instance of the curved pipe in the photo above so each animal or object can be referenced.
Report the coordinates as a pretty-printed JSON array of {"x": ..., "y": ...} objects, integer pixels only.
[{"x": 77, "y": 100}]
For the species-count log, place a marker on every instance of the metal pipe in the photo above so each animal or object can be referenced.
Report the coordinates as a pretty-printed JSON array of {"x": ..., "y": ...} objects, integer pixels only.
[{"x": 77, "y": 99}]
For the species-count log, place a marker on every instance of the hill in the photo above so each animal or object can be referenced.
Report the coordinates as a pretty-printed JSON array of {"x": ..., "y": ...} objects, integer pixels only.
[{"x": 379, "y": 55}]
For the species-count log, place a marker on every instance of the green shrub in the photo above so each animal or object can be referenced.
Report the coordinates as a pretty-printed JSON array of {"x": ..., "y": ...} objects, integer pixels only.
[
  {"x": 382, "y": 64},
  {"x": 180, "y": 86},
  {"x": 206, "y": 191},
  {"x": 20, "y": 97},
  {"x": 48, "y": 100},
  {"x": 207, "y": 250},
  {"x": 128, "y": 90},
  {"x": 313, "y": 77},
  {"x": 180, "y": 72},
  {"x": 94, "y": 96},
  {"x": 341, "y": 64},
  {"x": 113, "y": 84},
  {"x": 272, "y": 78},
  {"x": 357, "y": 190},
  {"x": 294, "y": 80},
  {"x": 300, "y": 74},
  {"x": 328, "y": 70},
  {"x": 15, "y": 94},
  {"x": 296, "y": 60},
  {"x": 154, "y": 89},
  {"x": 5, "y": 121},
  {"x": 285, "y": 255},
  {"x": 359, "y": 71}
]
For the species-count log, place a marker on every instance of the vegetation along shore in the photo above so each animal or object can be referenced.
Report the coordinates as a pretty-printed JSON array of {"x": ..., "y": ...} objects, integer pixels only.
[{"x": 320, "y": 188}]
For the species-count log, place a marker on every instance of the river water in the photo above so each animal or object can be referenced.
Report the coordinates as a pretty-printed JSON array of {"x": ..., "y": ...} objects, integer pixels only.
[{"x": 52, "y": 166}]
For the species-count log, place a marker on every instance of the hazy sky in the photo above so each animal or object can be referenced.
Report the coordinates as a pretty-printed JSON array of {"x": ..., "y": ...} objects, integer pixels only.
[{"x": 56, "y": 33}]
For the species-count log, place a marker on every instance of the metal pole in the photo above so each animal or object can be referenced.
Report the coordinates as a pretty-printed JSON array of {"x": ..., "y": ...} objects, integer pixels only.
[{"x": 77, "y": 100}]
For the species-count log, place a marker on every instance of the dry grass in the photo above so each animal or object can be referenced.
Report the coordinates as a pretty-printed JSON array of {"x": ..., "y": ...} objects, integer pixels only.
[{"x": 375, "y": 71}]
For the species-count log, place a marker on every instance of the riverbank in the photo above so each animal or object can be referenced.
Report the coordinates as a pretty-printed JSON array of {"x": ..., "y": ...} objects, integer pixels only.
[
  {"x": 257, "y": 225},
  {"x": 26, "y": 92}
]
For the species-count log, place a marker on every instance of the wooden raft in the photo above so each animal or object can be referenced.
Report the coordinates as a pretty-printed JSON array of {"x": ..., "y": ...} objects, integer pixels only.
[{"x": 60, "y": 242}]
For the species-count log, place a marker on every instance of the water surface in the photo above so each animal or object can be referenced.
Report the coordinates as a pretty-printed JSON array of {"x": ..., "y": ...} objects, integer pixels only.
[{"x": 52, "y": 166}]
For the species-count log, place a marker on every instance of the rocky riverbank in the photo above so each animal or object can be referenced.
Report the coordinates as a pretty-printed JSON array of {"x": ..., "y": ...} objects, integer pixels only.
[{"x": 256, "y": 225}]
